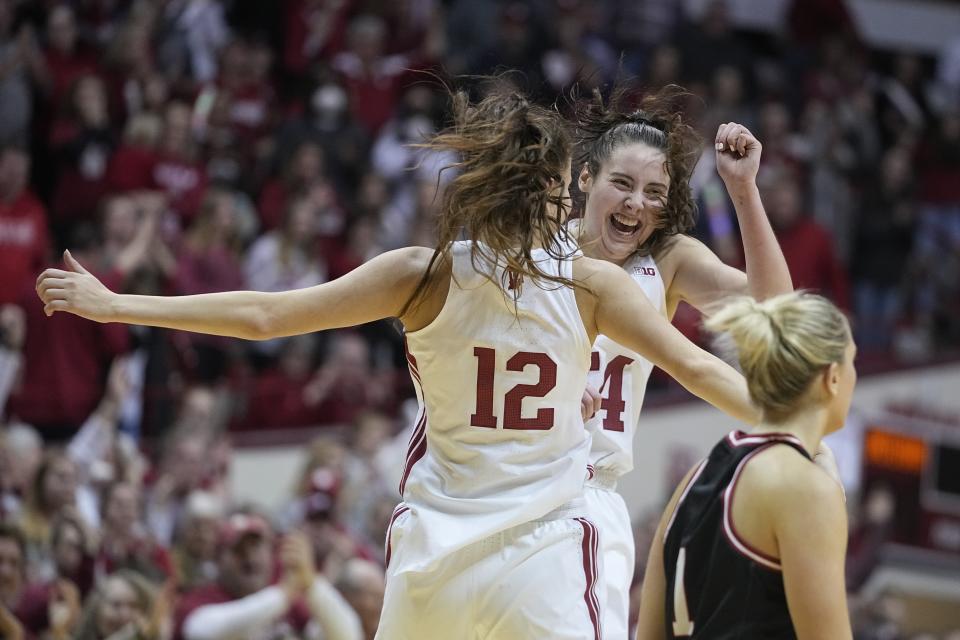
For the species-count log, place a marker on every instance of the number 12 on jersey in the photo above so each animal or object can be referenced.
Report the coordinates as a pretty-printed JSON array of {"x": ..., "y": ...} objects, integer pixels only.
[{"x": 513, "y": 400}]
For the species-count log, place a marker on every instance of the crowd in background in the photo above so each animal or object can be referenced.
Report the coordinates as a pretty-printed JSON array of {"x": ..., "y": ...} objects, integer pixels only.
[{"x": 191, "y": 146}]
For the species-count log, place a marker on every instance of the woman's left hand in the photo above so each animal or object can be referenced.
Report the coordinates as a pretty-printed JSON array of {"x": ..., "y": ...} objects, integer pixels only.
[{"x": 738, "y": 154}]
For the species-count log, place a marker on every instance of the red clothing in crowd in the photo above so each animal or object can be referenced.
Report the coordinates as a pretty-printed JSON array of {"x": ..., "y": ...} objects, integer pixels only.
[
  {"x": 65, "y": 362},
  {"x": 24, "y": 243},
  {"x": 65, "y": 70},
  {"x": 296, "y": 619},
  {"x": 131, "y": 169},
  {"x": 277, "y": 401},
  {"x": 184, "y": 182},
  {"x": 813, "y": 263},
  {"x": 374, "y": 91},
  {"x": 298, "y": 50}
]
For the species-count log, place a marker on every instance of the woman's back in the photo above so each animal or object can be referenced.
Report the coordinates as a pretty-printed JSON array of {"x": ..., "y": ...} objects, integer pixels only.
[{"x": 499, "y": 439}]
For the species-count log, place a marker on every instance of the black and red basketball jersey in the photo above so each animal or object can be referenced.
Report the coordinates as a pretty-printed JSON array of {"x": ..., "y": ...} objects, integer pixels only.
[{"x": 717, "y": 585}]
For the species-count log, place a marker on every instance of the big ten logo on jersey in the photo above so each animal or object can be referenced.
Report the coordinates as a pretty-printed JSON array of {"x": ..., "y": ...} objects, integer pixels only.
[
  {"x": 611, "y": 389},
  {"x": 645, "y": 271}
]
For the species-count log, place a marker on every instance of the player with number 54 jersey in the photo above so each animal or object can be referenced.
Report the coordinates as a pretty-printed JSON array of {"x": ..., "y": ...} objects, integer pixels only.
[{"x": 635, "y": 169}]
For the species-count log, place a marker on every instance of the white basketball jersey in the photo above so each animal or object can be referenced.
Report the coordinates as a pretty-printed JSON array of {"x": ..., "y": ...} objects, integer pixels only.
[
  {"x": 621, "y": 376},
  {"x": 499, "y": 439}
]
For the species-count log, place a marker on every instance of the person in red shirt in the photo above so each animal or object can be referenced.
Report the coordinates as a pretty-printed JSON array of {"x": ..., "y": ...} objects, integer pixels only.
[
  {"x": 807, "y": 246},
  {"x": 23, "y": 226},
  {"x": 65, "y": 58},
  {"x": 82, "y": 142},
  {"x": 177, "y": 168}
]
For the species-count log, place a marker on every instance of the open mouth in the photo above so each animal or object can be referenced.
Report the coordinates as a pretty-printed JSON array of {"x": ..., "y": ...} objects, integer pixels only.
[{"x": 624, "y": 225}]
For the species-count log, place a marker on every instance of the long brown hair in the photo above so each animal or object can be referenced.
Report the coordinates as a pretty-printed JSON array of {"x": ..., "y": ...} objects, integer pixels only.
[
  {"x": 507, "y": 195},
  {"x": 604, "y": 126}
]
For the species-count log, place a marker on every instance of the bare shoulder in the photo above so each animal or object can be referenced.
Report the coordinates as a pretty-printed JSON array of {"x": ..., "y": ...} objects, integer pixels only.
[
  {"x": 593, "y": 272},
  {"x": 413, "y": 263},
  {"x": 781, "y": 477},
  {"x": 680, "y": 249},
  {"x": 411, "y": 260}
]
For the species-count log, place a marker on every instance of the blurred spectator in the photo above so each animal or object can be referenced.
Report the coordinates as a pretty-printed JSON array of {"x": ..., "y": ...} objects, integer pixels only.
[
  {"x": 21, "y": 451},
  {"x": 579, "y": 56},
  {"x": 55, "y": 600},
  {"x": 177, "y": 168},
  {"x": 243, "y": 601},
  {"x": 66, "y": 57},
  {"x": 13, "y": 568},
  {"x": 372, "y": 78},
  {"x": 328, "y": 122},
  {"x": 184, "y": 468},
  {"x": 362, "y": 584},
  {"x": 52, "y": 493},
  {"x": 23, "y": 222},
  {"x": 347, "y": 383},
  {"x": 192, "y": 33},
  {"x": 20, "y": 62},
  {"x": 883, "y": 239},
  {"x": 126, "y": 543},
  {"x": 195, "y": 544},
  {"x": 314, "y": 29},
  {"x": 285, "y": 258},
  {"x": 304, "y": 169},
  {"x": 806, "y": 245},
  {"x": 710, "y": 43},
  {"x": 13, "y": 327},
  {"x": 82, "y": 143},
  {"x": 810, "y": 20},
  {"x": 278, "y": 397},
  {"x": 131, "y": 164},
  {"x": 124, "y": 605},
  {"x": 519, "y": 46}
]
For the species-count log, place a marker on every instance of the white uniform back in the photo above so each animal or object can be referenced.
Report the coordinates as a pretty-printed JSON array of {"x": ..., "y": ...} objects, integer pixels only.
[
  {"x": 621, "y": 376},
  {"x": 499, "y": 438}
]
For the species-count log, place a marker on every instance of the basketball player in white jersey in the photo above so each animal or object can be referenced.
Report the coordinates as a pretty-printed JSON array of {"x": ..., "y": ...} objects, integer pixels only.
[
  {"x": 491, "y": 540},
  {"x": 635, "y": 168}
]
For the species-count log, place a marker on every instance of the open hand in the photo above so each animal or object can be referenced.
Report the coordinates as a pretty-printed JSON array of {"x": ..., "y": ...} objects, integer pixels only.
[
  {"x": 738, "y": 154},
  {"x": 74, "y": 290}
]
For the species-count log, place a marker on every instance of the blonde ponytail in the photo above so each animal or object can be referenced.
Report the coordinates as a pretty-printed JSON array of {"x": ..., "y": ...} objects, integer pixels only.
[{"x": 781, "y": 344}]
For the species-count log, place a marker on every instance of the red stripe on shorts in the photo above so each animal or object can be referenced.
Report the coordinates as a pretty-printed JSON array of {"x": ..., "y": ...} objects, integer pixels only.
[
  {"x": 589, "y": 548},
  {"x": 399, "y": 510}
]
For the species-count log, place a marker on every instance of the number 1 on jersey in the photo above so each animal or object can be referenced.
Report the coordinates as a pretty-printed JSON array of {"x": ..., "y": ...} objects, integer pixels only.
[
  {"x": 513, "y": 400},
  {"x": 682, "y": 624}
]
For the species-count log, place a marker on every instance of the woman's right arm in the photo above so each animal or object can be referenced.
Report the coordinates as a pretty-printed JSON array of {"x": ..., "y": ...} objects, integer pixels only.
[
  {"x": 630, "y": 320},
  {"x": 377, "y": 289},
  {"x": 810, "y": 524}
]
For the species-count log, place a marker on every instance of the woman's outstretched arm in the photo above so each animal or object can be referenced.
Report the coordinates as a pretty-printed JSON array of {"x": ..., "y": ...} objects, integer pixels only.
[{"x": 375, "y": 290}]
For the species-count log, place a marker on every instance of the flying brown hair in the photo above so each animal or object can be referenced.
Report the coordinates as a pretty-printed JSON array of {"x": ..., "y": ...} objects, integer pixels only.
[{"x": 507, "y": 196}]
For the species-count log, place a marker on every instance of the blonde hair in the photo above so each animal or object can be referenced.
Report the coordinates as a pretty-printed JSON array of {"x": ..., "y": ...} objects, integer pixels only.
[{"x": 782, "y": 343}]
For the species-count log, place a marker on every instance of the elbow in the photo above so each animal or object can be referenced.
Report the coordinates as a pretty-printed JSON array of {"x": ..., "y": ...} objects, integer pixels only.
[
  {"x": 261, "y": 327},
  {"x": 261, "y": 322}
]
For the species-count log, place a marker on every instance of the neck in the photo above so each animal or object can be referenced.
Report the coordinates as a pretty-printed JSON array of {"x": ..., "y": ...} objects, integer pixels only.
[{"x": 808, "y": 425}]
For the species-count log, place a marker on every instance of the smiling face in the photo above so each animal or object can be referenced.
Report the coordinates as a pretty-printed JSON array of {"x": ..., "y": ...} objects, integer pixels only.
[{"x": 625, "y": 201}]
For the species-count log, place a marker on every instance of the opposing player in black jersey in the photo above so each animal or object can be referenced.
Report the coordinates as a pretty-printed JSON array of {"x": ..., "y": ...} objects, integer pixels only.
[{"x": 752, "y": 543}]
